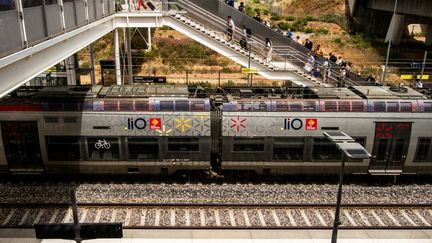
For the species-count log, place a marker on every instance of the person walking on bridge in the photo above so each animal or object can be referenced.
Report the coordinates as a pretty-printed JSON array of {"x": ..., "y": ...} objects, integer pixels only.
[{"x": 230, "y": 28}]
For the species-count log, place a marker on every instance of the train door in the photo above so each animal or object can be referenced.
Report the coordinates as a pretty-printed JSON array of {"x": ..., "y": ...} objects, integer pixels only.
[
  {"x": 21, "y": 145},
  {"x": 390, "y": 147}
]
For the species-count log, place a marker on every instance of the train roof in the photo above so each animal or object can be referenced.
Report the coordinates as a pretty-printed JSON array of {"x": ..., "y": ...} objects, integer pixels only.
[{"x": 230, "y": 93}]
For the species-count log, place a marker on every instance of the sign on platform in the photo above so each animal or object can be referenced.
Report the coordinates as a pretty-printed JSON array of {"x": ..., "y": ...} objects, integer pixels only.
[
  {"x": 410, "y": 77},
  {"x": 149, "y": 79},
  {"x": 249, "y": 70}
]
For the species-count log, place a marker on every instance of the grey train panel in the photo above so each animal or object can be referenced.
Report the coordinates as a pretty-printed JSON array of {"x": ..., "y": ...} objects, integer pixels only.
[
  {"x": 10, "y": 37},
  {"x": 173, "y": 124},
  {"x": 54, "y": 20},
  {"x": 35, "y": 24},
  {"x": 70, "y": 16}
]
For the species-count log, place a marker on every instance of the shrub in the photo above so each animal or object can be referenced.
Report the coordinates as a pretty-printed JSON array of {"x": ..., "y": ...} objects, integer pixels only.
[
  {"x": 339, "y": 42},
  {"x": 275, "y": 18},
  {"x": 249, "y": 11},
  {"x": 335, "y": 19},
  {"x": 226, "y": 70},
  {"x": 308, "y": 30},
  {"x": 256, "y": 1},
  {"x": 359, "y": 41},
  {"x": 321, "y": 31},
  {"x": 290, "y": 18},
  {"x": 284, "y": 25}
]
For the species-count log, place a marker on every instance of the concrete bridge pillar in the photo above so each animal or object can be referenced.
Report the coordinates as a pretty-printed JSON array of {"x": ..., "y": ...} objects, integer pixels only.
[{"x": 396, "y": 29}]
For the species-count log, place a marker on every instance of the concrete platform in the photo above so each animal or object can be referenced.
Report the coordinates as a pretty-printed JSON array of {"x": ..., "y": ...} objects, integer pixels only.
[{"x": 240, "y": 236}]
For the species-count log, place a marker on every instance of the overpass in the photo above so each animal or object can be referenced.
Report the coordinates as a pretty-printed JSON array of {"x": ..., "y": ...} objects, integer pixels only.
[
  {"x": 376, "y": 17},
  {"x": 36, "y": 36}
]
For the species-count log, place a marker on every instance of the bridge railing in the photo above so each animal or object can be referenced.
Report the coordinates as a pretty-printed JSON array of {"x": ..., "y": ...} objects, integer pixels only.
[{"x": 24, "y": 23}]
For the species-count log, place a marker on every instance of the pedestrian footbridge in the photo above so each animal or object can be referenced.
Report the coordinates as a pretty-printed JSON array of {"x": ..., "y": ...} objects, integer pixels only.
[{"x": 36, "y": 35}]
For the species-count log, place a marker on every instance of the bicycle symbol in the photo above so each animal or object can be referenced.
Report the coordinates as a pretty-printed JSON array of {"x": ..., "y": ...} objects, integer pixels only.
[{"x": 102, "y": 143}]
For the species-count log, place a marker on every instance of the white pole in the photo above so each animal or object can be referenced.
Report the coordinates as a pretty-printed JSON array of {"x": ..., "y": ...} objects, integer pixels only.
[
  {"x": 423, "y": 66},
  {"x": 117, "y": 58}
]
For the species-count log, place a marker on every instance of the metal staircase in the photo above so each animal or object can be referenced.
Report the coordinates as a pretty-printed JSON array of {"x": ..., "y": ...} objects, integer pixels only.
[{"x": 277, "y": 69}]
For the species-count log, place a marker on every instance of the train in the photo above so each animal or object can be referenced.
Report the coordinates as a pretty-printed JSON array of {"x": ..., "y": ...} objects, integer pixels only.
[{"x": 163, "y": 129}]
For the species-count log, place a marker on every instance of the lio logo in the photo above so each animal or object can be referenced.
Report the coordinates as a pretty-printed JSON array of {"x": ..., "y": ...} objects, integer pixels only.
[
  {"x": 295, "y": 124},
  {"x": 139, "y": 123}
]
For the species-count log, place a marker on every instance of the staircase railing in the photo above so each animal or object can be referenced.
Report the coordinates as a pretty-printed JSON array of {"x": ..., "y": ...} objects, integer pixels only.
[{"x": 221, "y": 10}]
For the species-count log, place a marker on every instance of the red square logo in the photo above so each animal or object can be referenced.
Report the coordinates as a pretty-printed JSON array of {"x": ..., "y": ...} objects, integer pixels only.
[
  {"x": 311, "y": 124},
  {"x": 155, "y": 123}
]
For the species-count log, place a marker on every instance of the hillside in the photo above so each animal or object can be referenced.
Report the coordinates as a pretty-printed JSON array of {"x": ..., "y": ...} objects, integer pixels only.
[{"x": 183, "y": 60}]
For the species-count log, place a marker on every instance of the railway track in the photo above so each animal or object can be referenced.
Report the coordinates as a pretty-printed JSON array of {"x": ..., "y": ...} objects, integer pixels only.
[{"x": 222, "y": 216}]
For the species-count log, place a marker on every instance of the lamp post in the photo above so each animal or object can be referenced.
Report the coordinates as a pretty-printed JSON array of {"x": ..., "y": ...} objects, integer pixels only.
[
  {"x": 352, "y": 150},
  {"x": 249, "y": 43},
  {"x": 389, "y": 45}
]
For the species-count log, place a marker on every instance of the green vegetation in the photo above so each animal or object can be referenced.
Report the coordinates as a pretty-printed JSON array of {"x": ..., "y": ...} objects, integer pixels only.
[
  {"x": 275, "y": 18},
  {"x": 321, "y": 31},
  {"x": 338, "y": 41},
  {"x": 335, "y": 19},
  {"x": 290, "y": 18},
  {"x": 358, "y": 41},
  {"x": 284, "y": 25}
]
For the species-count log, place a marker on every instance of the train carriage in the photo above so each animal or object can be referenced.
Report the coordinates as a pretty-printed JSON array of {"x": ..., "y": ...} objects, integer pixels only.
[{"x": 162, "y": 129}]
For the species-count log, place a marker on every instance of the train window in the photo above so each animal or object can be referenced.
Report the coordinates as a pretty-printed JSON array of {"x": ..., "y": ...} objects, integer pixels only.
[
  {"x": 290, "y": 148},
  {"x": 309, "y": 106},
  {"x": 63, "y": 148},
  {"x": 141, "y": 105},
  {"x": 54, "y": 106},
  {"x": 295, "y": 106},
  {"x": 406, "y": 107},
  {"x": 427, "y": 106},
  {"x": 344, "y": 106},
  {"x": 7, "y": 5},
  {"x": 423, "y": 150},
  {"x": 281, "y": 106},
  {"x": 103, "y": 148},
  {"x": 330, "y": 106},
  {"x": 70, "y": 106},
  {"x": 248, "y": 144},
  {"x": 183, "y": 144},
  {"x": 110, "y": 105},
  {"x": 182, "y": 105},
  {"x": 126, "y": 105},
  {"x": 260, "y": 106},
  {"x": 88, "y": 105},
  {"x": 379, "y": 106},
  {"x": 143, "y": 148},
  {"x": 198, "y": 105},
  {"x": 51, "y": 119},
  {"x": 325, "y": 150},
  {"x": 392, "y": 107},
  {"x": 166, "y": 105},
  {"x": 50, "y": 2},
  {"x": 245, "y": 106},
  {"x": 70, "y": 119},
  {"x": 32, "y": 3},
  {"x": 357, "y": 106}
]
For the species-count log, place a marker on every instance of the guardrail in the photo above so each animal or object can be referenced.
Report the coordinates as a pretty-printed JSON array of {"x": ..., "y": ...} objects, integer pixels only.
[{"x": 26, "y": 23}]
